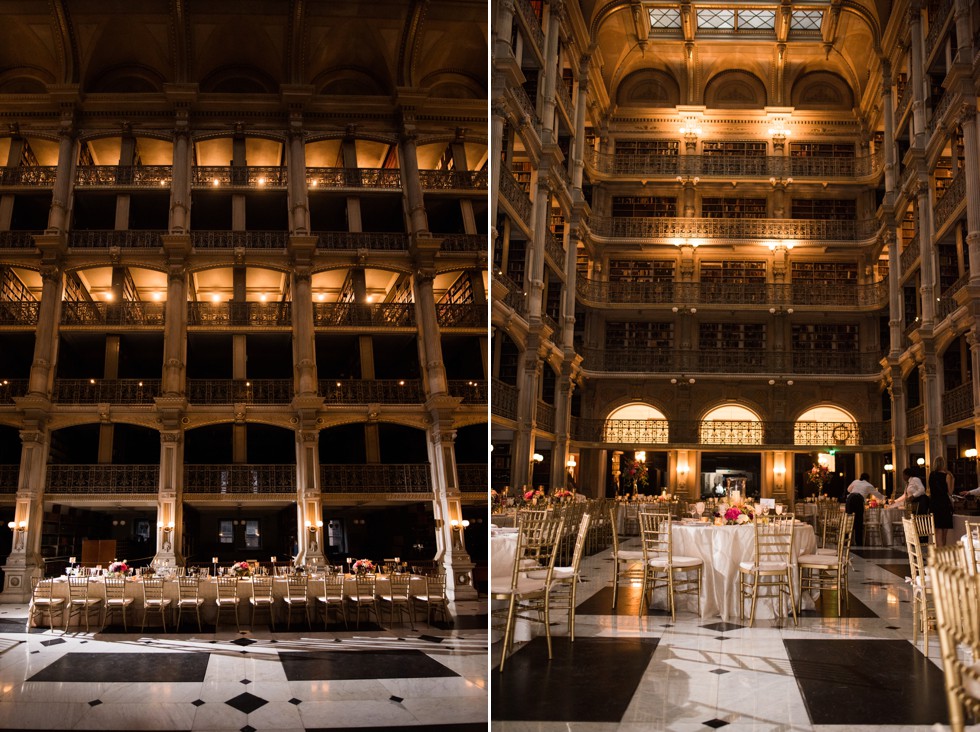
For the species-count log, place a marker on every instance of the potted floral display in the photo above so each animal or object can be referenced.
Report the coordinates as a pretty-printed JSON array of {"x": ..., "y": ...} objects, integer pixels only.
[
  {"x": 363, "y": 566},
  {"x": 241, "y": 569},
  {"x": 118, "y": 568}
]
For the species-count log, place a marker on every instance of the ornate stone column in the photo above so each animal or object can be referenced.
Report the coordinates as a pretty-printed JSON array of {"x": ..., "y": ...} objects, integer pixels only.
[
  {"x": 535, "y": 253},
  {"x": 895, "y": 309},
  {"x": 899, "y": 432},
  {"x": 180, "y": 186},
  {"x": 971, "y": 149},
  {"x": 175, "y": 328},
  {"x": 304, "y": 349},
  {"x": 64, "y": 178},
  {"x": 46, "y": 334},
  {"x": 891, "y": 165},
  {"x": 309, "y": 504},
  {"x": 408, "y": 159},
  {"x": 927, "y": 256},
  {"x": 918, "y": 74},
  {"x": 974, "y": 342},
  {"x": 170, "y": 503},
  {"x": 578, "y": 141},
  {"x": 25, "y": 559},
  {"x": 299, "y": 211},
  {"x": 547, "y": 92}
]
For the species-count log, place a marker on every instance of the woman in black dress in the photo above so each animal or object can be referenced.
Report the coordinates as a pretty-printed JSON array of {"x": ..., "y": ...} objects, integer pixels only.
[{"x": 940, "y": 501}]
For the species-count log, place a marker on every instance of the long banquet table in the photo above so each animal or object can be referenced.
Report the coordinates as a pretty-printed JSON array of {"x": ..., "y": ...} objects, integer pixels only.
[{"x": 208, "y": 592}]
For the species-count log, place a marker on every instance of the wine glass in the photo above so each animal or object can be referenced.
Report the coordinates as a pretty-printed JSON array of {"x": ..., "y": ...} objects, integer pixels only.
[
  {"x": 699, "y": 507},
  {"x": 779, "y": 509}
]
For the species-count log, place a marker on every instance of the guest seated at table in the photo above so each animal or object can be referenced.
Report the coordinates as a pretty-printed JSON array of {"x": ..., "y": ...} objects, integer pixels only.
[
  {"x": 915, "y": 493},
  {"x": 857, "y": 493}
]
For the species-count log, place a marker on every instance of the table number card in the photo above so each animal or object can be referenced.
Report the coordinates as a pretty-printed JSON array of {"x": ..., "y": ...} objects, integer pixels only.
[{"x": 767, "y": 503}]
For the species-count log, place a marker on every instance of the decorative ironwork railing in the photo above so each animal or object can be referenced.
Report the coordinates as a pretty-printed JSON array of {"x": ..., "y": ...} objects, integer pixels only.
[
  {"x": 915, "y": 420},
  {"x": 244, "y": 314},
  {"x": 239, "y": 239},
  {"x": 544, "y": 416},
  {"x": 18, "y": 239},
  {"x": 958, "y": 403},
  {"x": 106, "y": 391},
  {"x": 116, "y": 479},
  {"x": 951, "y": 199},
  {"x": 735, "y": 361},
  {"x": 252, "y": 176},
  {"x": 10, "y": 388},
  {"x": 9, "y": 476},
  {"x": 472, "y": 391},
  {"x": 239, "y": 391},
  {"x": 556, "y": 335},
  {"x": 561, "y": 172},
  {"x": 371, "y": 391},
  {"x": 105, "y": 238},
  {"x": 731, "y": 432},
  {"x": 381, "y": 240},
  {"x": 461, "y": 315},
  {"x": 473, "y": 477},
  {"x": 903, "y": 102},
  {"x": 464, "y": 243},
  {"x": 939, "y": 111},
  {"x": 19, "y": 312},
  {"x": 910, "y": 254},
  {"x": 735, "y": 165},
  {"x": 938, "y": 14},
  {"x": 83, "y": 312},
  {"x": 947, "y": 301},
  {"x": 514, "y": 299},
  {"x": 384, "y": 315},
  {"x": 564, "y": 97},
  {"x": 673, "y": 228},
  {"x": 908, "y": 173},
  {"x": 40, "y": 176},
  {"x": 141, "y": 176},
  {"x": 390, "y": 178},
  {"x": 531, "y": 22},
  {"x": 697, "y": 293},
  {"x": 525, "y": 104},
  {"x": 515, "y": 195},
  {"x": 503, "y": 399},
  {"x": 405, "y": 478},
  {"x": 554, "y": 249},
  {"x": 238, "y": 479},
  {"x": 453, "y": 180}
]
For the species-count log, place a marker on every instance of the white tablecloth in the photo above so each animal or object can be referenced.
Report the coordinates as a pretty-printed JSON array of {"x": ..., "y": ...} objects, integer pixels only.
[
  {"x": 503, "y": 551},
  {"x": 722, "y": 548},
  {"x": 889, "y": 517}
]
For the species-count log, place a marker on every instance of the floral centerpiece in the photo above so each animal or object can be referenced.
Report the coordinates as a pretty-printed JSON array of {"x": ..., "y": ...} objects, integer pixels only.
[
  {"x": 739, "y": 511},
  {"x": 873, "y": 502},
  {"x": 496, "y": 504},
  {"x": 562, "y": 495},
  {"x": 241, "y": 569},
  {"x": 634, "y": 475},
  {"x": 118, "y": 568},
  {"x": 363, "y": 566},
  {"x": 534, "y": 497},
  {"x": 817, "y": 477}
]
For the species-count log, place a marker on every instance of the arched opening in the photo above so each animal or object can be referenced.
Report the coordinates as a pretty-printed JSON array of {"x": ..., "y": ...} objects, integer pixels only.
[
  {"x": 731, "y": 424},
  {"x": 636, "y": 423},
  {"x": 825, "y": 425}
]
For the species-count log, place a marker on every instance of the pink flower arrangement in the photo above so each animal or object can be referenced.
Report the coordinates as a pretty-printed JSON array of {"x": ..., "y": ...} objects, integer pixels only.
[
  {"x": 241, "y": 569},
  {"x": 561, "y": 494},
  {"x": 732, "y": 514},
  {"x": 363, "y": 566},
  {"x": 118, "y": 568}
]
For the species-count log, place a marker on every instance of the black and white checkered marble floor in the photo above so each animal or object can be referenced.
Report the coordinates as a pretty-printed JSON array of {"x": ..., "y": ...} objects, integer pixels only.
[
  {"x": 857, "y": 672},
  {"x": 434, "y": 678}
]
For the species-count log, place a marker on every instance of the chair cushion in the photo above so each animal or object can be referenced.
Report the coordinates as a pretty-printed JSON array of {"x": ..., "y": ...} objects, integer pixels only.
[
  {"x": 676, "y": 562},
  {"x": 819, "y": 560},
  {"x": 763, "y": 566},
  {"x": 827, "y": 551},
  {"x": 563, "y": 573},
  {"x": 525, "y": 586},
  {"x": 630, "y": 555}
]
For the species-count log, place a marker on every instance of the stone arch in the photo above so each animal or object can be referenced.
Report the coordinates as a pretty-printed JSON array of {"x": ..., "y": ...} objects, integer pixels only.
[
  {"x": 636, "y": 422},
  {"x": 648, "y": 88},
  {"x": 25, "y": 80},
  {"x": 735, "y": 89},
  {"x": 128, "y": 78},
  {"x": 731, "y": 424},
  {"x": 350, "y": 81},
  {"x": 825, "y": 424},
  {"x": 822, "y": 90},
  {"x": 239, "y": 79},
  {"x": 453, "y": 85}
]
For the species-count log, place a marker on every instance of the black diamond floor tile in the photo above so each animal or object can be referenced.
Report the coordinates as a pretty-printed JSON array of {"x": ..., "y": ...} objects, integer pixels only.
[
  {"x": 248, "y": 728},
  {"x": 569, "y": 689},
  {"x": 899, "y": 570},
  {"x": 854, "y": 682},
  {"x": 106, "y": 667},
  {"x": 246, "y": 703},
  {"x": 721, "y": 637},
  {"x": 471, "y": 727},
  {"x": 718, "y": 671},
  {"x": 350, "y": 665},
  {"x": 95, "y": 702},
  {"x": 715, "y": 723},
  {"x": 295, "y": 701},
  {"x": 396, "y": 699},
  {"x": 198, "y": 702},
  {"x": 880, "y": 553},
  {"x": 243, "y": 641},
  {"x": 431, "y": 638},
  {"x": 723, "y": 627},
  {"x": 245, "y": 681},
  {"x": 53, "y": 642},
  {"x": 892, "y": 627}
]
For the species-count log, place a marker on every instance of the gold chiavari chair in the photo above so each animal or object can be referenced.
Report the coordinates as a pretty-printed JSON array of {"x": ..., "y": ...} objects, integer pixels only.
[
  {"x": 115, "y": 600},
  {"x": 332, "y": 596},
  {"x": 566, "y": 579},
  {"x": 44, "y": 601},
  {"x": 772, "y": 568},
  {"x": 365, "y": 598},
  {"x": 923, "y": 607},
  {"x": 155, "y": 601},
  {"x": 829, "y": 571},
  {"x": 971, "y": 546},
  {"x": 627, "y": 563},
  {"x": 80, "y": 600},
  {"x": 398, "y": 598},
  {"x": 227, "y": 598},
  {"x": 189, "y": 599},
  {"x": 297, "y": 598},
  {"x": 661, "y": 567},
  {"x": 261, "y": 598}
]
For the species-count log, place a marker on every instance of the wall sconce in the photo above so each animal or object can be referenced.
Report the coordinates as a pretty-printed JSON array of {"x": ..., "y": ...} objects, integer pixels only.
[
  {"x": 682, "y": 470},
  {"x": 780, "y": 311},
  {"x": 889, "y": 467},
  {"x": 684, "y": 310},
  {"x": 459, "y": 525},
  {"x": 570, "y": 463},
  {"x": 456, "y": 527},
  {"x": 166, "y": 528},
  {"x": 683, "y": 380},
  {"x": 920, "y": 462},
  {"x": 774, "y": 245},
  {"x": 779, "y": 471},
  {"x": 312, "y": 526},
  {"x": 774, "y": 181},
  {"x": 537, "y": 457},
  {"x": 970, "y": 453},
  {"x": 691, "y": 132},
  {"x": 773, "y": 382},
  {"x": 693, "y": 243},
  {"x": 15, "y": 526},
  {"x": 685, "y": 179},
  {"x": 121, "y": 522}
]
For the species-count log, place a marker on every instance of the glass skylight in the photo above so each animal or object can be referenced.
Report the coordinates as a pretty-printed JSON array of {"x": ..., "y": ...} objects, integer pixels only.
[
  {"x": 806, "y": 20},
  {"x": 716, "y": 19},
  {"x": 665, "y": 18},
  {"x": 756, "y": 19}
]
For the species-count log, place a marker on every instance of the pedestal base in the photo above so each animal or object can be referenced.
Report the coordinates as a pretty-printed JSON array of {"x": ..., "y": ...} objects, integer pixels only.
[{"x": 17, "y": 583}]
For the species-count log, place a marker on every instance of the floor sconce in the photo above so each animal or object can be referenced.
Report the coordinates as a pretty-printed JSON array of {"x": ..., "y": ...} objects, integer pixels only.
[{"x": 457, "y": 527}]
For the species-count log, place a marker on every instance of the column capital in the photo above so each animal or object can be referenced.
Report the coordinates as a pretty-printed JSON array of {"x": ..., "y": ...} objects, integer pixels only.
[{"x": 966, "y": 114}]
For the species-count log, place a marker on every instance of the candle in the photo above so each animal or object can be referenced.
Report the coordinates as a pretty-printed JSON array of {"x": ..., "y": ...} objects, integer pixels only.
[
  {"x": 273, "y": 560},
  {"x": 214, "y": 560}
]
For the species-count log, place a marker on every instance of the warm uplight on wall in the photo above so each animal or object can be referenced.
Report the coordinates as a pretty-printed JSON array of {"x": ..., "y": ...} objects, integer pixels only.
[
  {"x": 15, "y": 526},
  {"x": 779, "y": 471},
  {"x": 321, "y": 297},
  {"x": 216, "y": 297},
  {"x": 158, "y": 296},
  {"x": 682, "y": 469},
  {"x": 108, "y": 297},
  {"x": 641, "y": 457}
]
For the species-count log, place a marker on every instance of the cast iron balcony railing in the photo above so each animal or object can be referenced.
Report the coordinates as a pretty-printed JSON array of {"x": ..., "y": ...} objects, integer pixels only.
[
  {"x": 405, "y": 478},
  {"x": 554, "y": 250},
  {"x": 10, "y": 388},
  {"x": 556, "y": 335},
  {"x": 938, "y": 15},
  {"x": 728, "y": 166},
  {"x": 106, "y": 238},
  {"x": 461, "y": 315},
  {"x": 83, "y": 312},
  {"x": 709, "y": 228},
  {"x": 472, "y": 477},
  {"x": 239, "y": 391},
  {"x": 503, "y": 399},
  {"x": 102, "y": 479},
  {"x": 731, "y": 432},
  {"x": 135, "y": 176},
  {"x": 910, "y": 254},
  {"x": 18, "y": 239},
  {"x": 915, "y": 420},
  {"x": 240, "y": 479},
  {"x": 514, "y": 299},
  {"x": 952, "y": 198},
  {"x": 947, "y": 301},
  {"x": 544, "y": 416},
  {"x": 734, "y": 361},
  {"x": 958, "y": 403},
  {"x": 939, "y": 111},
  {"x": 9, "y": 476},
  {"x": 385, "y": 315},
  {"x": 251, "y": 176},
  {"x": 106, "y": 391},
  {"x": 386, "y": 178},
  {"x": 453, "y": 180},
  {"x": 531, "y": 22},
  {"x": 903, "y": 102},
  {"x": 525, "y": 104},
  {"x": 471, "y": 390},
  {"x": 34, "y": 176},
  {"x": 239, "y": 239},
  {"x": 463, "y": 242},
  {"x": 908, "y": 173},
  {"x": 378, "y": 240},
  {"x": 564, "y": 97},
  {"x": 19, "y": 312},
  {"x": 239, "y": 314},
  {"x": 515, "y": 195},
  {"x": 371, "y": 391}
]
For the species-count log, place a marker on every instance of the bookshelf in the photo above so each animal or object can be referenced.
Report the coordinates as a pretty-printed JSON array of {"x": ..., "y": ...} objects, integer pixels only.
[
  {"x": 910, "y": 304},
  {"x": 556, "y": 222},
  {"x": 632, "y": 334},
  {"x": 733, "y": 208},
  {"x": 58, "y": 531},
  {"x": 644, "y": 206},
  {"x": 644, "y": 148},
  {"x": 730, "y": 336},
  {"x": 733, "y": 272},
  {"x": 949, "y": 268},
  {"x": 461, "y": 291},
  {"x": 908, "y": 226},
  {"x": 824, "y": 273},
  {"x": 522, "y": 174},
  {"x": 552, "y": 300},
  {"x": 500, "y": 466},
  {"x": 825, "y": 337},
  {"x": 641, "y": 270},
  {"x": 824, "y": 209},
  {"x": 12, "y": 288},
  {"x": 736, "y": 148},
  {"x": 943, "y": 175},
  {"x": 517, "y": 261},
  {"x": 581, "y": 261},
  {"x": 820, "y": 150}
]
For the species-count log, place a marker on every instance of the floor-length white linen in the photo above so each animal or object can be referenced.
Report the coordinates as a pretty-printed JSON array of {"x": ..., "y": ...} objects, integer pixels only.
[{"x": 503, "y": 552}]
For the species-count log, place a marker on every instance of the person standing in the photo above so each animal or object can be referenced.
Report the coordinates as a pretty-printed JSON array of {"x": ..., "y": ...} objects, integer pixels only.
[
  {"x": 941, "y": 485},
  {"x": 857, "y": 493},
  {"x": 915, "y": 493}
]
